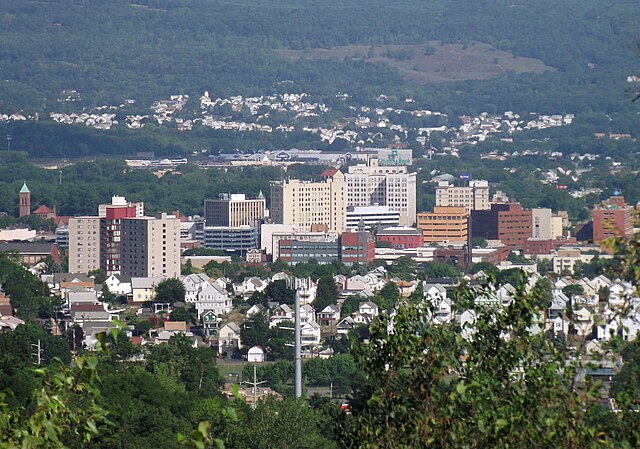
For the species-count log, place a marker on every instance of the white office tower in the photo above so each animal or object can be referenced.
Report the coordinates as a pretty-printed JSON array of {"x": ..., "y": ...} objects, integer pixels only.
[{"x": 385, "y": 185}]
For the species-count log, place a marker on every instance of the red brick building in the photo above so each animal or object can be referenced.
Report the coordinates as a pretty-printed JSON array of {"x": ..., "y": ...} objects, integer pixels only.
[
  {"x": 357, "y": 247},
  {"x": 509, "y": 222},
  {"x": 613, "y": 218},
  {"x": 400, "y": 237}
]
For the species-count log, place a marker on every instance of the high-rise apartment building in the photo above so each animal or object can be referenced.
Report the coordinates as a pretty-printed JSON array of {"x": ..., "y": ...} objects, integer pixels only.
[
  {"x": 311, "y": 205},
  {"x": 613, "y": 218},
  {"x": 111, "y": 238},
  {"x": 121, "y": 243},
  {"x": 234, "y": 210},
  {"x": 446, "y": 224},
  {"x": 385, "y": 185},
  {"x": 150, "y": 247},
  {"x": 84, "y": 244},
  {"x": 474, "y": 196}
]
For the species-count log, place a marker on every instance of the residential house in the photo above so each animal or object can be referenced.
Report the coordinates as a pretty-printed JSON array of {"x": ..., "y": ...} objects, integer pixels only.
[
  {"x": 119, "y": 284},
  {"x": 143, "y": 289},
  {"x": 210, "y": 322},
  {"x": 215, "y": 298},
  {"x": 310, "y": 333},
  {"x": 254, "y": 310},
  {"x": 193, "y": 285},
  {"x": 328, "y": 316},
  {"x": 9, "y": 323},
  {"x": 345, "y": 325},
  {"x": 368, "y": 308},
  {"x": 229, "y": 338},
  {"x": 281, "y": 313},
  {"x": 249, "y": 286}
]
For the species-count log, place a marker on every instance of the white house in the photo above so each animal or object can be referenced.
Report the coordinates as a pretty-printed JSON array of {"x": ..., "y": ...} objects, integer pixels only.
[
  {"x": 254, "y": 310},
  {"x": 193, "y": 285},
  {"x": 215, "y": 298},
  {"x": 256, "y": 354},
  {"x": 310, "y": 333},
  {"x": 328, "y": 316},
  {"x": 368, "y": 308},
  {"x": 119, "y": 284}
]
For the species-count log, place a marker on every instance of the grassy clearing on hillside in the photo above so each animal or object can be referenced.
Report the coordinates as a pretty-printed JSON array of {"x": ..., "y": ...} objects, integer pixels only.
[{"x": 431, "y": 62}]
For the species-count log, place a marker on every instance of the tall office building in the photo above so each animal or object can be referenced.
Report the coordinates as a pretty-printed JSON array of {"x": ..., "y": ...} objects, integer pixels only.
[
  {"x": 385, "y": 185},
  {"x": 474, "y": 196},
  {"x": 234, "y": 210},
  {"x": 150, "y": 247},
  {"x": 84, "y": 244},
  {"x": 311, "y": 205}
]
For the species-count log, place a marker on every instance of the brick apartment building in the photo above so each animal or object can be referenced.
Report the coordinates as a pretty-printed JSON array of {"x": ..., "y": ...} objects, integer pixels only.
[{"x": 508, "y": 222}]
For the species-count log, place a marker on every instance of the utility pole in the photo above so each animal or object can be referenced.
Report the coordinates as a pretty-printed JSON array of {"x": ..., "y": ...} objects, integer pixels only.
[
  {"x": 36, "y": 352},
  {"x": 298, "y": 348},
  {"x": 255, "y": 384}
]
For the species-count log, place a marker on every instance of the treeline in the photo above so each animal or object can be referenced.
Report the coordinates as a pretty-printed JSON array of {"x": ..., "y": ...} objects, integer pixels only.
[{"x": 111, "y": 51}]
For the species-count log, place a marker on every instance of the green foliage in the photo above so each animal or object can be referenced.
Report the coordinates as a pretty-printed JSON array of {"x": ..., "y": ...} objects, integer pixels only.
[
  {"x": 286, "y": 424},
  {"x": 513, "y": 276},
  {"x": 435, "y": 270},
  {"x": 326, "y": 294},
  {"x": 66, "y": 413},
  {"x": 573, "y": 290},
  {"x": 184, "y": 314},
  {"x": 387, "y": 297},
  {"x": 170, "y": 290},
  {"x": 429, "y": 386},
  {"x": 279, "y": 292},
  {"x": 255, "y": 330},
  {"x": 195, "y": 368}
]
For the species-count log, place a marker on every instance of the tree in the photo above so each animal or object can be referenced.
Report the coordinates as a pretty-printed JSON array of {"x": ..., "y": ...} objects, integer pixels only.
[
  {"x": 326, "y": 294},
  {"x": 255, "y": 330},
  {"x": 388, "y": 296},
  {"x": 435, "y": 270},
  {"x": 170, "y": 290},
  {"x": 486, "y": 267},
  {"x": 285, "y": 424},
  {"x": 447, "y": 386},
  {"x": 194, "y": 367},
  {"x": 279, "y": 292},
  {"x": 573, "y": 290}
]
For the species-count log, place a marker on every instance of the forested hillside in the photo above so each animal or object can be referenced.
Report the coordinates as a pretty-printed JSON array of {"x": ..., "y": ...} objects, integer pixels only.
[{"x": 117, "y": 50}]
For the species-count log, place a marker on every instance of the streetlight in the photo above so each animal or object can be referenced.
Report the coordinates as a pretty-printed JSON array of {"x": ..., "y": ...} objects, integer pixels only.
[{"x": 8, "y": 142}]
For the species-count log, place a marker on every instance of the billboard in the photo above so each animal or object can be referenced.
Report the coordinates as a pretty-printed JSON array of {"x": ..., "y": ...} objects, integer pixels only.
[
  {"x": 465, "y": 176},
  {"x": 390, "y": 157}
]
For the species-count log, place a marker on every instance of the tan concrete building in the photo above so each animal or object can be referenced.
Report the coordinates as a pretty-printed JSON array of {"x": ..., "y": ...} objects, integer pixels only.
[
  {"x": 444, "y": 225},
  {"x": 474, "y": 196},
  {"x": 311, "y": 205},
  {"x": 84, "y": 244},
  {"x": 150, "y": 247},
  {"x": 234, "y": 210},
  {"x": 384, "y": 185}
]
